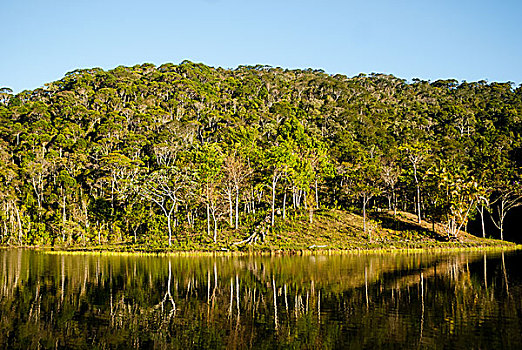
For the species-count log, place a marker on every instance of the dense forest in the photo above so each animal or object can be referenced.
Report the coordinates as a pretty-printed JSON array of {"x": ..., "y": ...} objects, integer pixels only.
[{"x": 155, "y": 155}]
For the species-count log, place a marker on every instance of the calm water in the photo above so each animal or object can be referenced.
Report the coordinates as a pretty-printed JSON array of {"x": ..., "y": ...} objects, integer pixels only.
[{"x": 452, "y": 300}]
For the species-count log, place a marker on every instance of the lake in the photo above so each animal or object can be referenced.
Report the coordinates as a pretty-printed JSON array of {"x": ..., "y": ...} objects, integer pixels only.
[{"x": 459, "y": 300}]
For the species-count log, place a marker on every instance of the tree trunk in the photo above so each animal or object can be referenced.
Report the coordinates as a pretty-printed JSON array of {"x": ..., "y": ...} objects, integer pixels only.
[
  {"x": 215, "y": 225},
  {"x": 284, "y": 205},
  {"x": 274, "y": 183},
  {"x": 502, "y": 216},
  {"x": 364, "y": 213},
  {"x": 237, "y": 207},
  {"x": 208, "y": 219},
  {"x": 170, "y": 229},
  {"x": 230, "y": 206},
  {"x": 481, "y": 211},
  {"x": 64, "y": 219},
  {"x": 418, "y": 205},
  {"x": 394, "y": 203},
  {"x": 316, "y": 196},
  {"x": 112, "y": 197},
  {"x": 38, "y": 199},
  {"x": 20, "y": 232}
]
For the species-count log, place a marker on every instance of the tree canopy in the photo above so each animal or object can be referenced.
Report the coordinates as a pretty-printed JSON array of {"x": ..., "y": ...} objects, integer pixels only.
[{"x": 148, "y": 153}]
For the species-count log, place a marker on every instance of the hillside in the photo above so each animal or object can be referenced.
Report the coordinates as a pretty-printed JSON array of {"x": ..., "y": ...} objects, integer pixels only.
[
  {"x": 155, "y": 156},
  {"x": 341, "y": 230},
  {"x": 333, "y": 230}
]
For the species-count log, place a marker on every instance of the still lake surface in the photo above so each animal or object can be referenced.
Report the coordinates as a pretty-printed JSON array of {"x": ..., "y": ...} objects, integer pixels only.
[{"x": 464, "y": 300}]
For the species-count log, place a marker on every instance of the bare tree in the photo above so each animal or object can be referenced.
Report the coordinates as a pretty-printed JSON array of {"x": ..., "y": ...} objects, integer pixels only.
[
  {"x": 507, "y": 200},
  {"x": 236, "y": 174},
  {"x": 416, "y": 153},
  {"x": 390, "y": 176},
  {"x": 164, "y": 187}
]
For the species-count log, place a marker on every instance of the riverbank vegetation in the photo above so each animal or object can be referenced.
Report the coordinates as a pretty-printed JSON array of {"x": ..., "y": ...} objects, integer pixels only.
[
  {"x": 193, "y": 157},
  {"x": 333, "y": 231}
]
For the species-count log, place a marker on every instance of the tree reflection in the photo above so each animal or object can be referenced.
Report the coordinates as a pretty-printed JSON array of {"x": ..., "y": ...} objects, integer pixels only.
[{"x": 365, "y": 300}]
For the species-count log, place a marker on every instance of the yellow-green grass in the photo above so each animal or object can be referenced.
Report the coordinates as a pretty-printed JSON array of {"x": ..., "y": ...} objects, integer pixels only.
[{"x": 331, "y": 232}]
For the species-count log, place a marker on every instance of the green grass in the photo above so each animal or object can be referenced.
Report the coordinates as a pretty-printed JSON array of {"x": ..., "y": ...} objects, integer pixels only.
[{"x": 331, "y": 231}]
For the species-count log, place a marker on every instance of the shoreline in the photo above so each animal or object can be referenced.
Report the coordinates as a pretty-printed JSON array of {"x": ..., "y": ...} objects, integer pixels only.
[
  {"x": 507, "y": 246},
  {"x": 333, "y": 232}
]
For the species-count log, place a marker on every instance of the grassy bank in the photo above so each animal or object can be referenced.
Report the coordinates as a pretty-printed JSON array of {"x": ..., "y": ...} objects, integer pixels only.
[{"x": 331, "y": 231}]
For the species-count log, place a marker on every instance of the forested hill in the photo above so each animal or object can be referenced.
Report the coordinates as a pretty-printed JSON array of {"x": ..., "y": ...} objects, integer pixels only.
[{"x": 188, "y": 152}]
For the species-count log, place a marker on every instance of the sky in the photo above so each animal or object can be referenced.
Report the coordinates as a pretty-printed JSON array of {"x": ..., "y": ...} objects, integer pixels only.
[{"x": 41, "y": 40}]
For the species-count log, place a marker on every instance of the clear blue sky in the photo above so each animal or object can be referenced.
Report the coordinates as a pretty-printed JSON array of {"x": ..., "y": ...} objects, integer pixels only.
[{"x": 41, "y": 40}]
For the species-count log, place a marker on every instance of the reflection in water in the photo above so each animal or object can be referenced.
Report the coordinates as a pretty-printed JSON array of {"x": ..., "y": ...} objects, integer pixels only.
[{"x": 431, "y": 300}]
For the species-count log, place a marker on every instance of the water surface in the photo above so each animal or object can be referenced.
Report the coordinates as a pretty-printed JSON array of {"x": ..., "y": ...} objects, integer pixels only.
[{"x": 408, "y": 301}]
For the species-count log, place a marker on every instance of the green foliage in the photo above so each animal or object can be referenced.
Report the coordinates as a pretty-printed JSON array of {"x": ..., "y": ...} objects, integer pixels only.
[
  {"x": 453, "y": 194},
  {"x": 199, "y": 154}
]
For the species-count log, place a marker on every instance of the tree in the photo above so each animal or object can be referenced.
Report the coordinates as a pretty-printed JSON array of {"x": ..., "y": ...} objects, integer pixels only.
[
  {"x": 164, "y": 187},
  {"x": 5, "y": 95},
  {"x": 455, "y": 195},
  {"x": 364, "y": 180},
  {"x": 210, "y": 159},
  {"x": 416, "y": 153},
  {"x": 9, "y": 202},
  {"x": 236, "y": 173},
  {"x": 122, "y": 174},
  {"x": 390, "y": 176},
  {"x": 508, "y": 198},
  {"x": 280, "y": 159}
]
